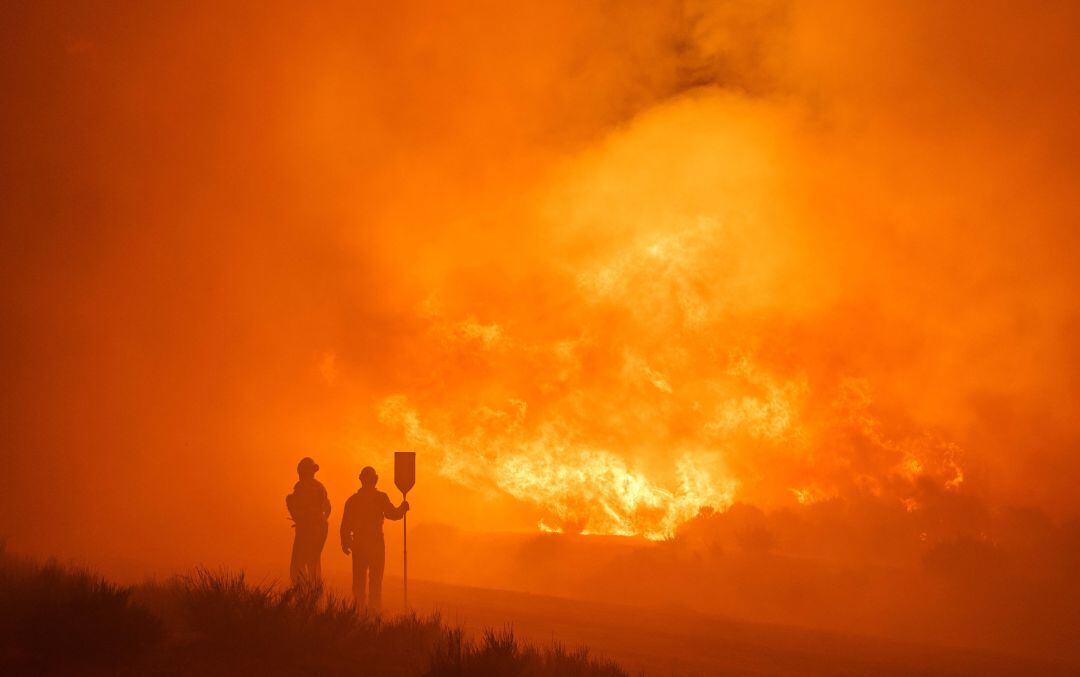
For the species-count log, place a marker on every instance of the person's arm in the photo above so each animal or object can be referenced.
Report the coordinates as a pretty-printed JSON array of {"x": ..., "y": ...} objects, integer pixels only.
[
  {"x": 346, "y": 529},
  {"x": 289, "y": 507},
  {"x": 325, "y": 505},
  {"x": 393, "y": 513}
]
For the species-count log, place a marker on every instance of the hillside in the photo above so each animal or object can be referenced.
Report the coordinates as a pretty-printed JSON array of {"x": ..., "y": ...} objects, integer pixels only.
[{"x": 64, "y": 621}]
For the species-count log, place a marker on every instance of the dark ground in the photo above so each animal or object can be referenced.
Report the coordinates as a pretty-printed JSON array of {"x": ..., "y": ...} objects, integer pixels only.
[
  {"x": 679, "y": 642},
  {"x": 57, "y": 620}
]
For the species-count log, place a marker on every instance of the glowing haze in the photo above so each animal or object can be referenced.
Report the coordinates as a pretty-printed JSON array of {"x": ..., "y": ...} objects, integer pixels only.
[{"x": 601, "y": 265}]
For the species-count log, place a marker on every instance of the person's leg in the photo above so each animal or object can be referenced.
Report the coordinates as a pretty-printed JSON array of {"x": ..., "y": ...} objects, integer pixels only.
[
  {"x": 306, "y": 539},
  {"x": 359, "y": 573},
  {"x": 319, "y": 540},
  {"x": 377, "y": 564},
  {"x": 296, "y": 565}
]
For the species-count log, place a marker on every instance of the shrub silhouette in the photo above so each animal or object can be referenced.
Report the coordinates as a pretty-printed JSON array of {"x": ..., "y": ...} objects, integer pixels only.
[
  {"x": 64, "y": 621},
  {"x": 499, "y": 653},
  {"x": 297, "y": 630},
  {"x": 52, "y": 617}
]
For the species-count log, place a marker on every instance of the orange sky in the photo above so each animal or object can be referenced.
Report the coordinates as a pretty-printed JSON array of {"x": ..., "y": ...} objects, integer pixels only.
[{"x": 600, "y": 264}]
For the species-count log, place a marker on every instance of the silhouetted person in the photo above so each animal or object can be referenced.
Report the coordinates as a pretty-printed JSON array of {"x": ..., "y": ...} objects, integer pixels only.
[
  {"x": 362, "y": 535},
  {"x": 309, "y": 508}
]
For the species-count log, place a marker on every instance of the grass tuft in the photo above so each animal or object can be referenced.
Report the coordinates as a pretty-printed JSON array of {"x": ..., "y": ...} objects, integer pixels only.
[
  {"x": 62, "y": 620},
  {"x": 55, "y": 616}
]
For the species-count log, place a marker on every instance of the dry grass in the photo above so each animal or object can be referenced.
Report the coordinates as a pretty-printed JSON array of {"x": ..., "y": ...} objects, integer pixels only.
[{"x": 65, "y": 621}]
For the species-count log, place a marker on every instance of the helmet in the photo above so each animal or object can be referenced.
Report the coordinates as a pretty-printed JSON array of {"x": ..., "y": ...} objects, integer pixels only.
[
  {"x": 368, "y": 475},
  {"x": 307, "y": 466}
]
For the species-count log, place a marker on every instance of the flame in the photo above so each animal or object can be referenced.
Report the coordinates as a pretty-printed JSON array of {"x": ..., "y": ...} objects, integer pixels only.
[
  {"x": 543, "y": 527},
  {"x": 811, "y": 495},
  {"x": 579, "y": 489},
  {"x": 663, "y": 375}
]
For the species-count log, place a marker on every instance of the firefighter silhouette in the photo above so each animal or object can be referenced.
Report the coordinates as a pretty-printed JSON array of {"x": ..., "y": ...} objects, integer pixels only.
[
  {"x": 362, "y": 537},
  {"x": 309, "y": 508}
]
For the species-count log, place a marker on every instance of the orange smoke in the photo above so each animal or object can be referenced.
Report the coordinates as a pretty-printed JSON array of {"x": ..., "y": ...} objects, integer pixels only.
[{"x": 602, "y": 266}]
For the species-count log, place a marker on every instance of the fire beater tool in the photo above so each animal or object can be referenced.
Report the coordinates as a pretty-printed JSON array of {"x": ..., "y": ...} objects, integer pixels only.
[{"x": 404, "y": 479}]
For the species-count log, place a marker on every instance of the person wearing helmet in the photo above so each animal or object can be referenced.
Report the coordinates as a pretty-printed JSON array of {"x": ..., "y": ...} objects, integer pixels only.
[
  {"x": 309, "y": 508},
  {"x": 362, "y": 536}
]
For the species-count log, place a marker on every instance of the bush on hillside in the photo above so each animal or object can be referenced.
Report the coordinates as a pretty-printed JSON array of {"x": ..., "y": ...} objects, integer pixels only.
[
  {"x": 53, "y": 616},
  {"x": 57, "y": 620}
]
